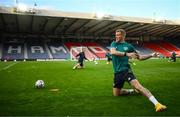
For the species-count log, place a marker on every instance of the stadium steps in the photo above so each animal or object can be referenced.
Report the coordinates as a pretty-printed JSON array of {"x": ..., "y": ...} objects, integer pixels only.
[
  {"x": 48, "y": 51},
  {"x": 157, "y": 48},
  {"x": 142, "y": 49},
  {"x": 25, "y": 51},
  {"x": 42, "y": 54},
  {"x": 105, "y": 46},
  {"x": 12, "y": 51},
  {"x": 58, "y": 50},
  {"x": 98, "y": 50},
  {"x": 88, "y": 53},
  {"x": 175, "y": 42},
  {"x": 69, "y": 45},
  {"x": 168, "y": 46}
]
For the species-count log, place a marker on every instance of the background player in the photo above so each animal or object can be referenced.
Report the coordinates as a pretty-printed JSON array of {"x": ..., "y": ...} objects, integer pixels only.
[
  {"x": 109, "y": 57},
  {"x": 81, "y": 59}
]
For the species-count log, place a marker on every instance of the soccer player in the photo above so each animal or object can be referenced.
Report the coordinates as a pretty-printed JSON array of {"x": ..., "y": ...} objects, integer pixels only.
[
  {"x": 173, "y": 57},
  {"x": 109, "y": 57},
  {"x": 121, "y": 52},
  {"x": 81, "y": 58}
]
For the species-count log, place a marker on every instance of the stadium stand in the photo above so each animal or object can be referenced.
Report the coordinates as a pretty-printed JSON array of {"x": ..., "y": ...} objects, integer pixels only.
[
  {"x": 95, "y": 48},
  {"x": 80, "y": 30},
  {"x": 74, "y": 48},
  {"x": 142, "y": 49},
  {"x": 175, "y": 42},
  {"x": 69, "y": 45},
  {"x": 168, "y": 46},
  {"x": 37, "y": 51},
  {"x": 155, "y": 47},
  {"x": 32, "y": 50},
  {"x": 12, "y": 51},
  {"x": 58, "y": 51}
]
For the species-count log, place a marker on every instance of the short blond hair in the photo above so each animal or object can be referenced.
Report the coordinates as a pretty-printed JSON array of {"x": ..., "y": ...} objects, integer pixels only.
[{"x": 122, "y": 31}]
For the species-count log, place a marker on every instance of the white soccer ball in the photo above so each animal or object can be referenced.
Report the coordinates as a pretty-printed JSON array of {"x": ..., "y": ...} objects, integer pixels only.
[
  {"x": 39, "y": 84},
  {"x": 95, "y": 62}
]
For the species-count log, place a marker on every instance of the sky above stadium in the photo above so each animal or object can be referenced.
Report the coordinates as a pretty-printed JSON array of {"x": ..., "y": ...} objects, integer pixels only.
[{"x": 165, "y": 9}]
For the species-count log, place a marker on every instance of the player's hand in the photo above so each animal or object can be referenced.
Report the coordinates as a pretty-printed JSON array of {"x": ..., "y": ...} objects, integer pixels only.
[
  {"x": 155, "y": 54},
  {"x": 132, "y": 55}
]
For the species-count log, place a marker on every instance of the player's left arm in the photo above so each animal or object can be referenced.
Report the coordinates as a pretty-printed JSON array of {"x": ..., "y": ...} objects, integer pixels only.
[{"x": 144, "y": 57}]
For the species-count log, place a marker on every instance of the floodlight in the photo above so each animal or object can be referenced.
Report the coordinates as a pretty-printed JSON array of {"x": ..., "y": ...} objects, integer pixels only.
[
  {"x": 22, "y": 7},
  {"x": 159, "y": 20},
  {"x": 100, "y": 15}
]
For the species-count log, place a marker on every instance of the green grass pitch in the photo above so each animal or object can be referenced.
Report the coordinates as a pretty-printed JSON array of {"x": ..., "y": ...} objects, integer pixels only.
[{"x": 85, "y": 92}]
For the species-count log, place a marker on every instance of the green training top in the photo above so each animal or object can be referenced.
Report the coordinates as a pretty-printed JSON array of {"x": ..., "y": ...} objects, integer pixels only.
[{"x": 120, "y": 63}]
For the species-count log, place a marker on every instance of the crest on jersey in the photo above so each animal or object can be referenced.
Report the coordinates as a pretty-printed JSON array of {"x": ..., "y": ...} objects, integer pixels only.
[{"x": 125, "y": 48}]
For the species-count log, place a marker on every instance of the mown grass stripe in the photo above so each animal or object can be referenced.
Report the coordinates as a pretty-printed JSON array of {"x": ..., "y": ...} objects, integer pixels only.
[{"x": 7, "y": 67}]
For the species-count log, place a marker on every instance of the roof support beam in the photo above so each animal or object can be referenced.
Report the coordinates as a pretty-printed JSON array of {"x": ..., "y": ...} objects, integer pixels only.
[
  {"x": 84, "y": 31},
  {"x": 173, "y": 32},
  {"x": 111, "y": 30},
  {"x": 155, "y": 29},
  {"x": 134, "y": 26},
  {"x": 56, "y": 27},
  {"x": 44, "y": 25},
  {"x": 139, "y": 28},
  {"x": 4, "y": 23},
  {"x": 126, "y": 28},
  {"x": 69, "y": 26},
  {"x": 147, "y": 30},
  {"x": 17, "y": 24},
  {"x": 165, "y": 31},
  {"x": 100, "y": 23},
  {"x": 112, "y": 24},
  {"x": 81, "y": 27},
  {"x": 31, "y": 24},
  {"x": 176, "y": 34},
  {"x": 154, "y": 32}
]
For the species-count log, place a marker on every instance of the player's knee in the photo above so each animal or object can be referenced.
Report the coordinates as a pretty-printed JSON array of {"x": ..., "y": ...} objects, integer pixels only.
[{"x": 138, "y": 87}]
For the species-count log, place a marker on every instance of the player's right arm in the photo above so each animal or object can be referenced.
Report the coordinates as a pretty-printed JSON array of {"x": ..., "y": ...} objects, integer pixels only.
[
  {"x": 86, "y": 58},
  {"x": 77, "y": 55}
]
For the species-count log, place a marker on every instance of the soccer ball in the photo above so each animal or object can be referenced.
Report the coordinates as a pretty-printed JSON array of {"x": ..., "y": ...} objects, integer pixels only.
[
  {"x": 39, "y": 84},
  {"x": 95, "y": 62}
]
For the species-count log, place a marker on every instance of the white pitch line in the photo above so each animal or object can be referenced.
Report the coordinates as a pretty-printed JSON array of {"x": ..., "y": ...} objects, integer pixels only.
[{"x": 7, "y": 67}]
